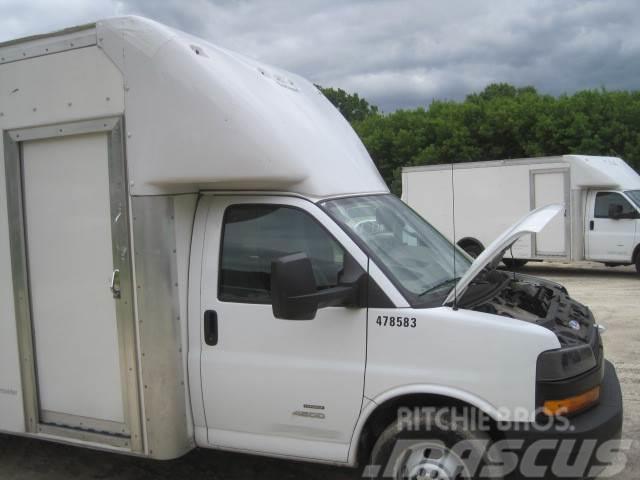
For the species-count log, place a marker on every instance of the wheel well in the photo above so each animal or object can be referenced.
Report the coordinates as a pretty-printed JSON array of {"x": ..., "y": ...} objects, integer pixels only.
[
  {"x": 387, "y": 412},
  {"x": 470, "y": 241},
  {"x": 636, "y": 252}
]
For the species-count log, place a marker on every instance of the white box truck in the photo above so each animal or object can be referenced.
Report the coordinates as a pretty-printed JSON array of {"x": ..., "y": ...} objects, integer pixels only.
[
  {"x": 601, "y": 196},
  {"x": 196, "y": 250}
]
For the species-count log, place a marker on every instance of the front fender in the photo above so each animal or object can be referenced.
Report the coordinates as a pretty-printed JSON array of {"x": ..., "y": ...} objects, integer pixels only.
[
  {"x": 371, "y": 405},
  {"x": 488, "y": 359}
]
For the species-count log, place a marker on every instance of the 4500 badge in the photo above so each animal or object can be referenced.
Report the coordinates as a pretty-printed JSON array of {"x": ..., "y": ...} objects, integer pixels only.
[{"x": 405, "y": 322}]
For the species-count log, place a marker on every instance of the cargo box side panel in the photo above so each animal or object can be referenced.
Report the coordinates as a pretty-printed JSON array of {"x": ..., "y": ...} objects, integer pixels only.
[
  {"x": 161, "y": 319},
  {"x": 429, "y": 194},
  {"x": 68, "y": 86},
  {"x": 11, "y": 402},
  {"x": 489, "y": 201},
  {"x": 489, "y": 198}
]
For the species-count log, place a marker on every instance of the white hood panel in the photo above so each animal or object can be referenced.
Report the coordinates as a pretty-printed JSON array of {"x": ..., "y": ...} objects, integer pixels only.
[{"x": 533, "y": 222}]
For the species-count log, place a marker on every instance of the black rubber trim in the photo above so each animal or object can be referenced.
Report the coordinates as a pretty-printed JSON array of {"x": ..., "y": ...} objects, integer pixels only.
[
  {"x": 376, "y": 298},
  {"x": 601, "y": 423}
]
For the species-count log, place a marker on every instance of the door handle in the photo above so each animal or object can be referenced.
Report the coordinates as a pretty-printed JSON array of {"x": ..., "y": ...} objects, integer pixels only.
[
  {"x": 211, "y": 327},
  {"x": 591, "y": 225},
  {"x": 115, "y": 283}
]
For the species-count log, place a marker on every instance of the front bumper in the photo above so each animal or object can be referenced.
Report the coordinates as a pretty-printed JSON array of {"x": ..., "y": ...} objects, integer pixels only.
[{"x": 577, "y": 447}]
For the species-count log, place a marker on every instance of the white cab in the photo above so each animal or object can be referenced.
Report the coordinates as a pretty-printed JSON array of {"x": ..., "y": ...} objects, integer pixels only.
[{"x": 611, "y": 239}]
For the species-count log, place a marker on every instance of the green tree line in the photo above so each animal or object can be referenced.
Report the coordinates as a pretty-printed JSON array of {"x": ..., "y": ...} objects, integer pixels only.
[{"x": 500, "y": 122}]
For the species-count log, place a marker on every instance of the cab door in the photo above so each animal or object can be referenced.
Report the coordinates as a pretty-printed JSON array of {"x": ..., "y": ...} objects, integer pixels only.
[
  {"x": 610, "y": 238},
  {"x": 277, "y": 386}
]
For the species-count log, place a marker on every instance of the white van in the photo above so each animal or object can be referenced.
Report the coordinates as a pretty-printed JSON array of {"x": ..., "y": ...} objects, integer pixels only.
[
  {"x": 601, "y": 195},
  {"x": 197, "y": 251}
]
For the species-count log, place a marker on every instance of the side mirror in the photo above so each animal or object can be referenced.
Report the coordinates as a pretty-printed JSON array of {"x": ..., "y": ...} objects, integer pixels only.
[
  {"x": 295, "y": 295},
  {"x": 615, "y": 211}
]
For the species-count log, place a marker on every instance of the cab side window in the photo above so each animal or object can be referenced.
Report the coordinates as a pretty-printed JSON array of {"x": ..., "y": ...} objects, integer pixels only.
[
  {"x": 605, "y": 199},
  {"x": 255, "y": 235}
]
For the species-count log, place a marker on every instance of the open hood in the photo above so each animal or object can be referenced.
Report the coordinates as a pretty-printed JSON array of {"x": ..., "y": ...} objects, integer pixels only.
[{"x": 533, "y": 222}]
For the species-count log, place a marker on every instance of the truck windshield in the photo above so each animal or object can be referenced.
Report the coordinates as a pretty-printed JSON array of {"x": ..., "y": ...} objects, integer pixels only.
[
  {"x": 634, "y": 195},
  {"x": 417, "y": 258}
]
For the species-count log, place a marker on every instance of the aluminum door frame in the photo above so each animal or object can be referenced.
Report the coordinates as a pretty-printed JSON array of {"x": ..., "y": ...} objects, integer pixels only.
[
  {"x": 132, "y": 437},
  {"x": 567, "y": 211}
]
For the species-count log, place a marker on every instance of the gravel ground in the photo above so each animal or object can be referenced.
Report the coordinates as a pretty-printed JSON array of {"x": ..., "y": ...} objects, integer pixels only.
[{"x": 612, "y": 293}]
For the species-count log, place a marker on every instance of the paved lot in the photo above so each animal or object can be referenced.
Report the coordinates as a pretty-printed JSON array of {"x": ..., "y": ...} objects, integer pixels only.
[{"x": 612, "y": 293}]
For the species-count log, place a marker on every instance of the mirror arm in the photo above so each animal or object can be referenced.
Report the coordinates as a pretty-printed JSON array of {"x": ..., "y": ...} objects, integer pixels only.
[{"x": 331, "y": 297}]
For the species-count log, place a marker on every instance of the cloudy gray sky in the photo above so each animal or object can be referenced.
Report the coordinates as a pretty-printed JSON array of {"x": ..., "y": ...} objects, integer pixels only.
[{"x": 396, "y": 53}]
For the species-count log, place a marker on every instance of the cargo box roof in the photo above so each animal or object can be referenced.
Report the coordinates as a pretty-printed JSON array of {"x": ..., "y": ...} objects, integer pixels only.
[
  {"x": 201, "y": 117},
  {"x": 603, "y": 172},
  {"x": 197, "y": 116}
]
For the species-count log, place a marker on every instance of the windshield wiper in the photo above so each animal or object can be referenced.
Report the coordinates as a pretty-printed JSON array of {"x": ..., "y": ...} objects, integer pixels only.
[{"x": 440, "y": 285}]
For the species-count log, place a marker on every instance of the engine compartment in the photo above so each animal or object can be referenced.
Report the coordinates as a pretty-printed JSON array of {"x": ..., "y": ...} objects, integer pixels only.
[{"x": 533, "y": 300}]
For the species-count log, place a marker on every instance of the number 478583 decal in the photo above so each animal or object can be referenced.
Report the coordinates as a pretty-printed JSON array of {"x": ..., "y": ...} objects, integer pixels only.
[{"x": 401, "y": 322}]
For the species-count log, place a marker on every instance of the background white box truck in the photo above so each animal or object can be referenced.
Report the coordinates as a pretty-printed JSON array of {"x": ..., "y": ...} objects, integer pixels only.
[
  {"x": 601, "y": 196},
  {"x": 197, "y": 250}
]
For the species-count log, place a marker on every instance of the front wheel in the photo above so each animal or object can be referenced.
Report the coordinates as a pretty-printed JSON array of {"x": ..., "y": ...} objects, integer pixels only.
[
  {"x": 432, "y": 446},
  {"x": 638, "y": 263}
]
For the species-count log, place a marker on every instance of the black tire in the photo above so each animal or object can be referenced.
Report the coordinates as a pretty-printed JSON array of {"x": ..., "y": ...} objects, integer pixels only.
[
  {"x": 638, "y": 263},
  {"x": 514, "y": 262},
  {"x": 429, "y": 451},
  {"x": 472, "y": 249}
]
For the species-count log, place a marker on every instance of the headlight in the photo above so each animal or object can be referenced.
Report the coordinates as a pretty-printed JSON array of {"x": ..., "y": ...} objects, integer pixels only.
[
  {"x": 568, "y": 379},
  {"x": 565, "y": 363}
]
